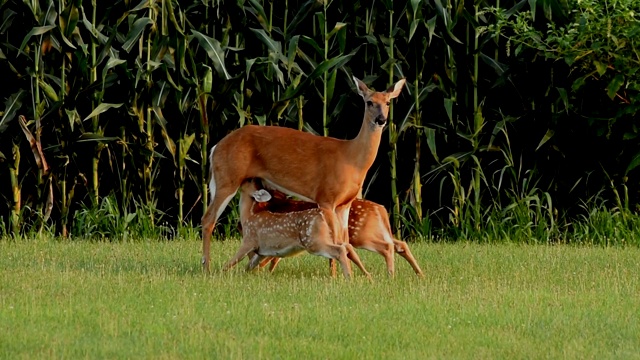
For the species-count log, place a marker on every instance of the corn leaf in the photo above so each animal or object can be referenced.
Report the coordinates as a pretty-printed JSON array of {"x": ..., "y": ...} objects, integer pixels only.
[
  {"x": 12, "y": 105},
  {"x": 271, "y": 44},
  {"x": 430, "y": 134},
  {"x": 36, "y": 146},
  {"x": 93, "y": 137},
  {"x": 134, "y": 34},
  {"x": 214, "y": 50},
  {"x": 547, "y": 136},
  {"x": 327, "y": 66},
  {"x": 100, "y": 109},
  {"x": 39, "y": 30},
  {"x": 635, "y": 161}
]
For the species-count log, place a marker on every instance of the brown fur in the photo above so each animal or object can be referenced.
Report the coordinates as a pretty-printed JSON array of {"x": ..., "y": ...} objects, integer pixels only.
[
  {"x": 369, "y": 228},
  {"x": 325, "y": 170},
  {"x": 266, "y": 233}
]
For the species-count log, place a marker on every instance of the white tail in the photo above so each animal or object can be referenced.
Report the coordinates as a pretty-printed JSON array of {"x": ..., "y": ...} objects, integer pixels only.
[
  {"x": 279, "y": 235},
  {"x": 327, "y": 171},
  {"x": 369, "y": 229}
]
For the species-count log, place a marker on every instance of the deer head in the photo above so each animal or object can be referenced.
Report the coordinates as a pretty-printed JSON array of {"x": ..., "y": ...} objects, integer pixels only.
[{"x": 377, "y": 103}]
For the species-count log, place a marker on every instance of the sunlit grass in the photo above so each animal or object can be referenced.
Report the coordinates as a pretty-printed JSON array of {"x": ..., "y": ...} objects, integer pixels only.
[{"x": 149, "y": 299}]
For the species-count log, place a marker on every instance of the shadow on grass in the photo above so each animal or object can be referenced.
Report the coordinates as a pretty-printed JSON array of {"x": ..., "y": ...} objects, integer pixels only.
[{"x": 181, "y": 268}]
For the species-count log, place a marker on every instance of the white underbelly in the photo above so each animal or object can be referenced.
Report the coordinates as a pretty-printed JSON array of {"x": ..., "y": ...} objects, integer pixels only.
[
  {"x": 271, "y": 185},
  {"x": 280, "y": 250}
]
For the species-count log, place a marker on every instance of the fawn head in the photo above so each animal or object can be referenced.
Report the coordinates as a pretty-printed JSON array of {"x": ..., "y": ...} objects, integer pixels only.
[
  {"x": 253, "y": 188},
  {"x": 377, "y": 103},
  {"x": 261, "y": 195}
]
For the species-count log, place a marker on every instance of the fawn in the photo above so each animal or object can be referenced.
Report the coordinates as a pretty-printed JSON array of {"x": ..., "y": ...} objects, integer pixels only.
[
  {"x": 369, "y": 229},
  {"x": 269, "y": 234}
]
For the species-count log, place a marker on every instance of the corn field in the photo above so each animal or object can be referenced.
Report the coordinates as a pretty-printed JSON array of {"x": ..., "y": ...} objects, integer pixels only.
[{"x": 506, "y": 126}]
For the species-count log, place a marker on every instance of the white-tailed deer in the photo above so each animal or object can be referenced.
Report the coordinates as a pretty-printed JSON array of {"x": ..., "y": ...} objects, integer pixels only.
[
  {"x": 369, "y": 229},
  {"x": 268, "y": 234},
  {"x": 323, "y": 170}
]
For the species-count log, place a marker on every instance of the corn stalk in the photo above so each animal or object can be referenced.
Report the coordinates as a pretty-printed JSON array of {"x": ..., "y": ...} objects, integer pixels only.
[
  {"x": 393, "y": 134},
  {"x": 417, "y": 181},
  {"x": 95, "y": 181},
  {"x": 478, "y": 123},
  {"x": 14, "y": 170},
  {"x": 325, "y": 35},
  {"x": 204, "y": 138}
]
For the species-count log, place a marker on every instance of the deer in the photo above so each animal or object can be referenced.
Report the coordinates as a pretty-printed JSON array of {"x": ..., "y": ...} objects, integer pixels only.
[
  {"x": 277, "y": 235},
  {"x": 323, "y": 170},
  {"x": 369, "y": 229}
]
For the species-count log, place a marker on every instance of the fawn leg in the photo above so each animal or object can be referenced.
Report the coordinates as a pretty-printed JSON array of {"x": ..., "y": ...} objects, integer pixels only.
[
  {"x": 274, "y": 263},
  {"x": 385, "y": 249},
  {"x": 255, "y": 261},
  {"x": 403, "y": 250},
  {"x": 351, "y": 254},
  {"x": 245, "y": 248}
]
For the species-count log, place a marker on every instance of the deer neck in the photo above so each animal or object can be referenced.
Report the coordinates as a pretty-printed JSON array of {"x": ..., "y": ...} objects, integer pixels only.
[
  {"x": 362, "y": 150},
  {"x": 246, "y": 207}
]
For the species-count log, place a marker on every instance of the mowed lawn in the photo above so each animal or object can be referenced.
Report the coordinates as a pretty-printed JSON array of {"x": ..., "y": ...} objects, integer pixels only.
[{"x": 149, "y": 299}]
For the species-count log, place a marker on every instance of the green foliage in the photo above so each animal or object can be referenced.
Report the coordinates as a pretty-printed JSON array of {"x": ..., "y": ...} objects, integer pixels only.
[
  {"x": 598, "y": 43},
  {"x": 124, "y": 101},
  {"x": 108, "y": 221},
  {"x": 605, "y": 225},
  {"x": 600, "y": 40},
  {"x": 3, "y": 230}
]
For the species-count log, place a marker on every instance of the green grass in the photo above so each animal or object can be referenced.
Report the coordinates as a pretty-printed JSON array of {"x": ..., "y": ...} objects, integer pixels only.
[{"x": 149, "y": 299}]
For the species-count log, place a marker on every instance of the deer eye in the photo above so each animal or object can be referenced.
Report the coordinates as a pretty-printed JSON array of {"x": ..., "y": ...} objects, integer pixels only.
[
  {"x": 369, "y": 103},
  {"x": 388, "y": 103}
]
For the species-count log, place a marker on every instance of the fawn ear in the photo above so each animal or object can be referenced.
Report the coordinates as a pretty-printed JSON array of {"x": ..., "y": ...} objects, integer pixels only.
[
  {"x": 395, "y": 90},
  {"x": 261, "y": 195},
  {"x": 363, "y": 90}
]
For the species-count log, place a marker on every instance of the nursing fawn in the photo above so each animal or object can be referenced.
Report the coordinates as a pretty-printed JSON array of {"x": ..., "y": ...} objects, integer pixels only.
[
  {"x": 269, "y": 234},
  {"x": 369, "y": 229}
]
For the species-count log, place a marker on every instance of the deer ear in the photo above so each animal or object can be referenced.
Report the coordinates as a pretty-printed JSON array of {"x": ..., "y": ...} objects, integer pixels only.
[
  {"x": 261, "y": 195},
  {"x": 363, "y": 90},
  {"x": 395, "y": 90}
]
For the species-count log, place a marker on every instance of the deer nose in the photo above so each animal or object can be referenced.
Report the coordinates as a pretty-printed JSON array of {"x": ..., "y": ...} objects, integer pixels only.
[{"x": 381, "y": 120}]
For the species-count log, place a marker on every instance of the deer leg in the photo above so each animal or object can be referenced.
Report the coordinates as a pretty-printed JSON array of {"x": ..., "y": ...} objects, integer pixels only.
[
  {"x": 245, "y": 248},
  {"x": 334, "y": 224},
  {"x": 332, "y": 267},
  {"x": 383, "y": 248},
  {"x": 351, "y": 254},
  {"x": 265, "y": 261},
  {"x": 274, "y": 263},
  {"x": 388, "y": 258},
  {"x": 402, "y": 249},
  {"x": 342, "y": 213},
  {"x": 334, "y": 252},
  {"x": 255, "y": 261},
  {"x": 343, "y": 257},
  {"x": 221, "y": 198},
  {"x": 273, "y": 260},
  {"x": 340, "y": 228}
]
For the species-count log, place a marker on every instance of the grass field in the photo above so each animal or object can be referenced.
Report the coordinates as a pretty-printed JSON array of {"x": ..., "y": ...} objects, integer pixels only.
[{"x": 149, "y": 299}]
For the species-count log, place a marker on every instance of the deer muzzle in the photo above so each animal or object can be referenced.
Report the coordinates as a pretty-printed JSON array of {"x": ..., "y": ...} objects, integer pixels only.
[{"x": 380, "y": 120}]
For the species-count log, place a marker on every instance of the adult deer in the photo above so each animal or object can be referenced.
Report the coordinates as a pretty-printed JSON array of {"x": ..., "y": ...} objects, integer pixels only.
[
  {"x": 369, "y": 229},
  {"x": 269, "y": 234},
  {"x": 323, "y": 170}
]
